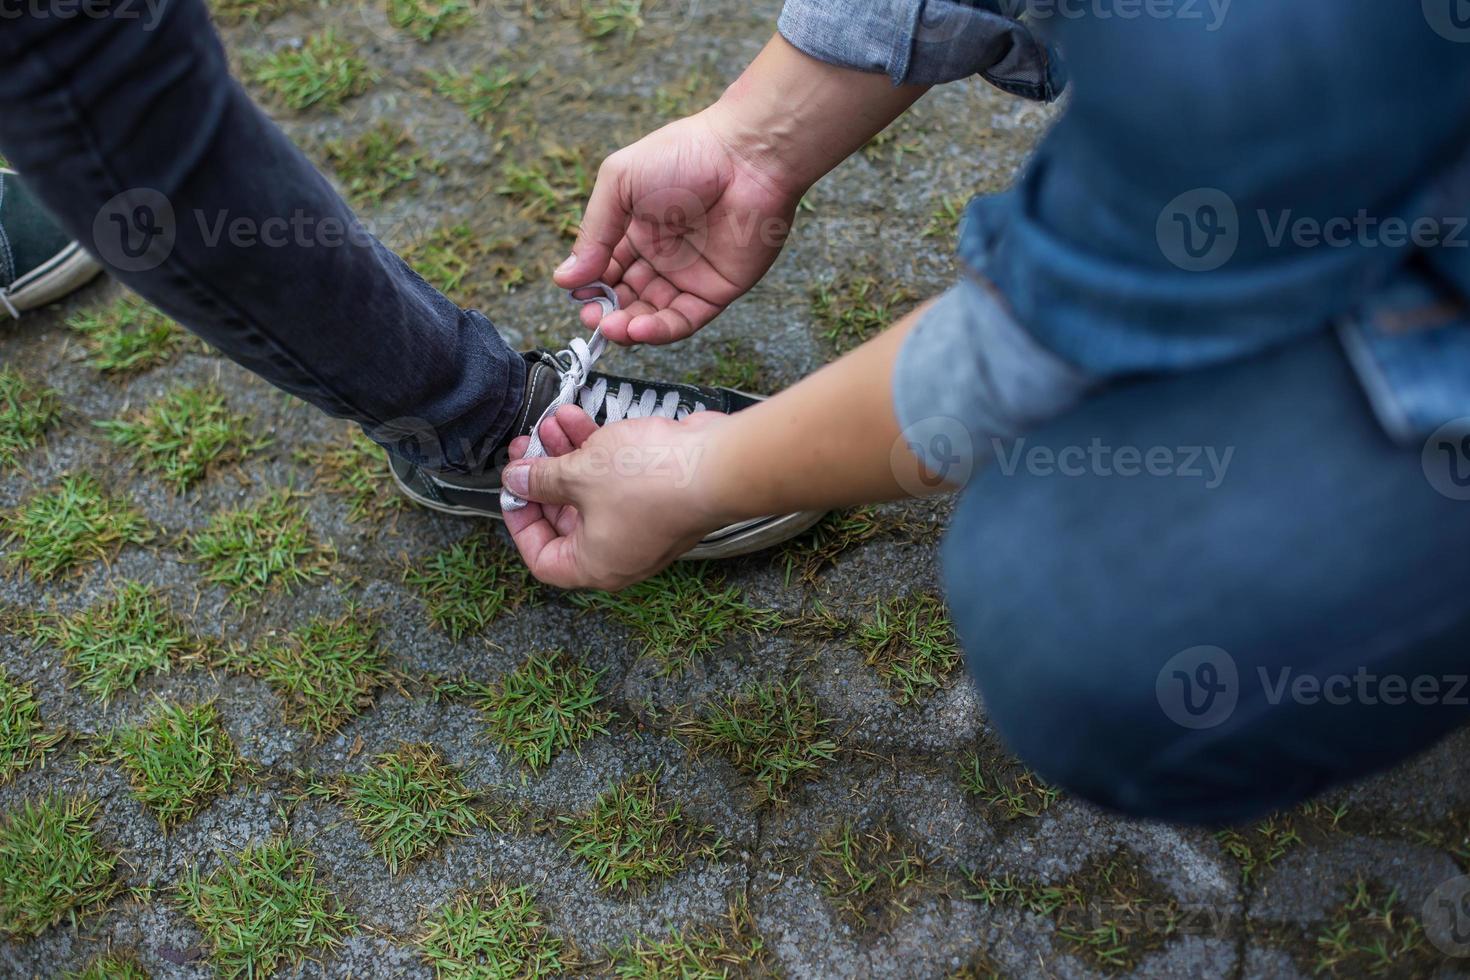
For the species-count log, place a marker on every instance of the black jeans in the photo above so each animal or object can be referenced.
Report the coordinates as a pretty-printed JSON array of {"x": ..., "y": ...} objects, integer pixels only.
[{"x": 131, "y": 131}]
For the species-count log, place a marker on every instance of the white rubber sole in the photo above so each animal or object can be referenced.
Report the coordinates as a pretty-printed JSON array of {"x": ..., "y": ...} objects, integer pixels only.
[
  {"x": 66, "y": 272},
  {"x": 744, "y": 538}
]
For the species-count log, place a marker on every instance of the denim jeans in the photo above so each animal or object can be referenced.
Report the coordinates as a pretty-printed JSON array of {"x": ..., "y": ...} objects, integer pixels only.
[
  {"x": 131, "y": 131},
  {"x": 1205, "y": 596}
]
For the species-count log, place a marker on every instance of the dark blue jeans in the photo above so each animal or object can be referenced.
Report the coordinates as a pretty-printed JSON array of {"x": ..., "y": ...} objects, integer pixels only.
[
  {"x": 1176, "y": 638},
  {"x": 133, "y": 134}
]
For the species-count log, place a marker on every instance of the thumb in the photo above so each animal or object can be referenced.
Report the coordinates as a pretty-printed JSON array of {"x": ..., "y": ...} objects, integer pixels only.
[
  {"x": 546, "y": 479},
  {"x": 603, "y": 226}
]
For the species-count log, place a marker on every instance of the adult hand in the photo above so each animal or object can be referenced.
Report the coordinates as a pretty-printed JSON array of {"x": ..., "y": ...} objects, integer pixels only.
[{"x": 681, "y": 223}]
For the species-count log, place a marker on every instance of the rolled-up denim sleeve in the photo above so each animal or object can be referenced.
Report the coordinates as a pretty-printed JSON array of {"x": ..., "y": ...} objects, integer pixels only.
[{"x": 926, "y": 42}]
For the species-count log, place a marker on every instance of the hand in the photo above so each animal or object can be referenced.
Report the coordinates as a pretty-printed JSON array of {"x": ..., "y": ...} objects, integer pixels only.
[
  {"x": 616, "y": 504},
  {"x": 681, "y": 223}
]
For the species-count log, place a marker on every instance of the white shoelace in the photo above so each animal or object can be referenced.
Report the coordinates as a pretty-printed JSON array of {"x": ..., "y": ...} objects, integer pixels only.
[{"x": 623, "y": 404}]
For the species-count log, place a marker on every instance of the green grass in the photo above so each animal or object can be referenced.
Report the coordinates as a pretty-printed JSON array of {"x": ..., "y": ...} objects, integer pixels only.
[
  {"x": 545, "y": 706},
  {"x": 1006, "y": 787},
  {"x": 110, "y": 966},
  {"x": 446, "y": 258},
  {"x": 355, "y": 469},
  {"x": 324, "y": 70},
  {"x": 945, "y": 222},
  {"x": 479, "y": 93},
  {"x": 853, "y": 309},
  {"x": 75, "y": 523},
  {"x": 178, "y": 760},
  {"x": 128, "y": 337},
  {"x": 1372, "y": 935},
  {"x": 376, "y": 164},
  {"x": 422, "y": 19},
  {"x": 52, "y": 866},
  {"x": 866, "y": 871},
  {"x": 408, "y": 804},
  {"x": 773, "y": 733},
  {"x": 553, "y": 190},
  {"x": 27, "y": 410},
  {"x": 495, "y": 932},
  {"x": 681, "y": 614},
  {"x": 260, "y": 547},
  {"x": 111, "y": 645},
  {"x": 811, "y": 554},
  {"x": 468, "y": 585},
  {"x": 709, "y": 953},
  {"x": 605, "y": 18},
  {"x": 325, "y": 671},
  {"x": 736, "y": 366},
  {"x": 911, "y": 643},
  {"x": 1109, "y": 912},
  {"x": 263, "y": 909},
  {"x": 632, "y": 836},
  {"x": 241, "y": 11},
  {"x": 1259, "y": 846},
  {"x": 22, "y": 739},
  {"x": 185, "y": 434}
]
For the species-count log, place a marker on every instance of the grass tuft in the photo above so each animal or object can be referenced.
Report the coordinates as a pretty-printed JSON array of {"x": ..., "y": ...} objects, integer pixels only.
[
  {"x": 478, "y": 93},
  {"x": 736, "y": 366},
  {"x": 264, "y": 908},
  {"x": 52, "y": 866},
  {"x": 468, "y": 585},
  {"x": 374, "y": 165},
  {"x": 252, "y": 11},
  {"x": 112, "y": 644},
  {"x": 710, "y": 953},
  {"x": 325, "y": 672},
  {"x": 184, "y": 434},
  {"x": 353, "y": 469},
  {"x": 22, "y": 743},
  {"x": 1005, "y": 786},
  {"x": 422, "y": 19},
  {"x": 818, "y": 549},
  {"x": 683, "y": 613},
  {"x": 128, "y": 337},
  {"x": 1259, "y": 846},
  {"x": 632, "y": 836},
  {"x": 605, "y": 18},
  {"x": 773, "y": 733},
  {"x": 408, "y": 804},
  {"x": 263, "y": 546},
  {"x": 178, "y": 760},
  {"x": 1371, "y": 934},
  {"x": 548, "y": 704},
  {"x": 865, "y": 871},
  {"x": 27, "y": 410},
  {"x": 323, "y": 70},
  {"x": 945, "y": 221},
  {"x": 495, "y": 932},
  {"x": 853, "y": 309},
  {"x": 73, "y": 524},
  {"x": 911, "y": 643},
  {"x": 110, "y": 966},
  {"x": 445, "y": 258},
  {"x": 552, "y": 190}
]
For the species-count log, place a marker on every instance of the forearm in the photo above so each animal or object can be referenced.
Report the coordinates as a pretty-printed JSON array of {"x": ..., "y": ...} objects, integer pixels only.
[
  {"x": 832, "y": 440},
  {"x": 793, "y": 115}
]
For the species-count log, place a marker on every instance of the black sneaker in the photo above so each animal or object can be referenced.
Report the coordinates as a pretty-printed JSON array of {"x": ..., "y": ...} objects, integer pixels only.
[
  {"x": 556, "y": 379},
  {"x": 39, "y": 264}
]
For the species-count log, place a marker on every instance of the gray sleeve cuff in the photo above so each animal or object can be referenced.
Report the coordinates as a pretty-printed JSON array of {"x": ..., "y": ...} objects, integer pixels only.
[
  {"x": 970, "y": 378},
  {"x": 924, "y": 42}
]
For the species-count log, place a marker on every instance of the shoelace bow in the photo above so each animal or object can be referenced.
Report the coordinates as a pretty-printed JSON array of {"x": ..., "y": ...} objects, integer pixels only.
[{"x": 579, "y": 357}]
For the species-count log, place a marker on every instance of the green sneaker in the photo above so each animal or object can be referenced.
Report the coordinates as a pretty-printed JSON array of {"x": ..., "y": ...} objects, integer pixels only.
[{"x": 39, "y": 264}]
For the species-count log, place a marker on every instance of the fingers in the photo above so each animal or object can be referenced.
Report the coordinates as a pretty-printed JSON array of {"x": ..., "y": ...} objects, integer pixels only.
[
  {"x": 546, "y": 480},
  {"x": 603, "y": 224},
  {"x": 575, "y": 424}
]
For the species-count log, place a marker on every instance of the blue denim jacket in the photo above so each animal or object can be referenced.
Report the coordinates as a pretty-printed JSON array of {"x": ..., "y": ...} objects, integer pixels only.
[{"x": 1228, "y": 177}]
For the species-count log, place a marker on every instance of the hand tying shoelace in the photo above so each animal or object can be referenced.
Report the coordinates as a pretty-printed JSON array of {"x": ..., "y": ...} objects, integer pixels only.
[{"x": 578, "y": 359}]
